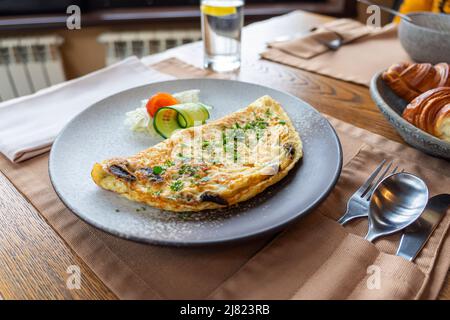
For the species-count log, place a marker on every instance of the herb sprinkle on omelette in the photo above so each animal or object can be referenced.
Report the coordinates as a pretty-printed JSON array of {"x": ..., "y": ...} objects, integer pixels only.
[{"x": 211, "y": 166}]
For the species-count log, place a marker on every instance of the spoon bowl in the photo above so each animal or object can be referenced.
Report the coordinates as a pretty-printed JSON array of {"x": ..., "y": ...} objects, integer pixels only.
[{"x": 396, "y": 203}]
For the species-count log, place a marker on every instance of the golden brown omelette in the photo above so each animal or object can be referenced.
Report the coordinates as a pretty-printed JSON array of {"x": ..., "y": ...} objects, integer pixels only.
[{"x": 214, "y": 165}]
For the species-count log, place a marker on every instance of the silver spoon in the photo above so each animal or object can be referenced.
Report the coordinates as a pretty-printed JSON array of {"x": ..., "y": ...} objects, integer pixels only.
[
  {"x": 387, "y": 9},
  {"x": 333, "y": 44},
  {"x": 397, "y": 202}
]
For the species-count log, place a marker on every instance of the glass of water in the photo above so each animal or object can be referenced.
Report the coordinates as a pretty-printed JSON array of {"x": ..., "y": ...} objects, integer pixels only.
[{"x": 222, "y": 22}]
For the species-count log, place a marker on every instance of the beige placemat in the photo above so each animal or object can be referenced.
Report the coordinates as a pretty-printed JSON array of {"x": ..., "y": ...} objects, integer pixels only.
[
  {"x": 314, "y": 258},
  {"x": 356, "y": 62}
]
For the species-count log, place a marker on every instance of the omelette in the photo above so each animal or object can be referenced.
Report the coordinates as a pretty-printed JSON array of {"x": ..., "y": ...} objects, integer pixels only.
[{"x": 209, "y": 166}]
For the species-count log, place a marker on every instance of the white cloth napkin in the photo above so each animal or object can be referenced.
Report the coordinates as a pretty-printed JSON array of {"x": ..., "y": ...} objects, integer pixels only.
[{"x": 30, "y": 124}]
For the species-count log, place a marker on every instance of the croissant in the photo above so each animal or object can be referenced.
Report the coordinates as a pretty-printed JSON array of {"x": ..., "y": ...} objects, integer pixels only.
[
  {"x": 410, "y": 80},
  {"x": 431, "y": 112}
]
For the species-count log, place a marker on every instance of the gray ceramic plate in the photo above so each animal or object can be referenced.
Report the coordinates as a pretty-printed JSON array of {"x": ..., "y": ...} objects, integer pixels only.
[
  {"x": 392, "y": 108},
  {"x": 99, "y": 133}
]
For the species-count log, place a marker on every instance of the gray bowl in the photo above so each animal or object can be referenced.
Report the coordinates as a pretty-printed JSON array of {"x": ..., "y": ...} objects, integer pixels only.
[
  {"x": 392, "y": 108},
  {"x": 427, "y": 37}
]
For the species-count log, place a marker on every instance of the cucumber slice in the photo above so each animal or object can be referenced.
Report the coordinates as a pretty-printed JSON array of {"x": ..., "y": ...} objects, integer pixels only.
[{"x": 169, "y": 119}]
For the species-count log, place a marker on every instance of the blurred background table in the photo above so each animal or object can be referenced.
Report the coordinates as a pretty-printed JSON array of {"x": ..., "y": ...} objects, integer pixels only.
[{"x": 33, "y": 258}]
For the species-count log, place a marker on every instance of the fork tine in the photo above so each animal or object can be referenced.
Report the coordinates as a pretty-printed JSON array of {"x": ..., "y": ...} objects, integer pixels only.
[
  {"x": 374, "y": 174},
  {"x": 381, "y": 177}
]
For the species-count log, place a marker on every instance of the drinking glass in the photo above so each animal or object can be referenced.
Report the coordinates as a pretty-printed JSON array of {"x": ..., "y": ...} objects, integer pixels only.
[{"x": 222, "y": 22}]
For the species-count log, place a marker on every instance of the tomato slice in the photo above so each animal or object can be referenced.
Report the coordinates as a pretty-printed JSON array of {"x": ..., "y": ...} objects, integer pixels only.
[{"x": 159, "y": 100}]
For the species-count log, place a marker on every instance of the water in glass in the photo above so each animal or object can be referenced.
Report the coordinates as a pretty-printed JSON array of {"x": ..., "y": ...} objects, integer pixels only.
[{"x": 222, "y": 22}]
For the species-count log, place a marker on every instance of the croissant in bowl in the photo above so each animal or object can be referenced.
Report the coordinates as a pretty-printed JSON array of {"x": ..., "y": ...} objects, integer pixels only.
[
  {"x": 410, "y": 80},
  {"x": 431, "y": 112}
]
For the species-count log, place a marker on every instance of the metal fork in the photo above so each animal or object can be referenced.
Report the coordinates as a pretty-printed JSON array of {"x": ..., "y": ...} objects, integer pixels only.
[{"x": 358, "y": 204}]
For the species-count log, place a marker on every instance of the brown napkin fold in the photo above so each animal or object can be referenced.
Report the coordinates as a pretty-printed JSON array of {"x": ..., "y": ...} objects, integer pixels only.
[
  {"x": 314, "y": 258},
  {"x": 311, "y": 45},
  {"x": 357, "y": 61},
  {"x": 319, "y": 259}
]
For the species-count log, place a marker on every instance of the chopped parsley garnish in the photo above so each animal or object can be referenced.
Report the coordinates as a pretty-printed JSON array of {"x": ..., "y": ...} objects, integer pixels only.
[
  {"x": 257, "y": 124},
  {"x": 260, "y": 124},
  {"x": 236, "y": 156},
  {"x": 169, "y": 163},
  {"x": 282, "y": 122},
  {"x": 187, "y": 169},
  {"x": 157, "y": 193},
  {"x": 238, "y": 133},
  {"x": 158, "y": 170},
  {"x": 205, "y": 144},
  {"x": 176, "y": 185},
  {"x": 224, "y": 141}
]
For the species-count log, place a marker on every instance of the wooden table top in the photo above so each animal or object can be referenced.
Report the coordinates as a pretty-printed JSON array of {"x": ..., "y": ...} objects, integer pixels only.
[{"x": 34, "y": 258}]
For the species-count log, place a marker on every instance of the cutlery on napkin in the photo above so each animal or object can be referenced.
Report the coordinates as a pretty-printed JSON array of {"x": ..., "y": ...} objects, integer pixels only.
[
  {"x": 355, "y": 61},
  {"x": 313, "y": 44},
  {"x": 29, "y": 124}
]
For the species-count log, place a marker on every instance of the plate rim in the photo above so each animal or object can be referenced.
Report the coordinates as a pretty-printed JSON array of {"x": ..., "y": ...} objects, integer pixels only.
[{"x": 217, "y": 241}]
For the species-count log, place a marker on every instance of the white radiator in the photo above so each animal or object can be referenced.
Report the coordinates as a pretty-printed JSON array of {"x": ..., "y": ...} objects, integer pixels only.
[
  {"x": 28, "y": 65},
  {"x": 120, "y": 45}
]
